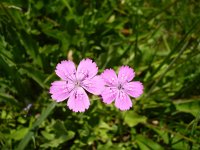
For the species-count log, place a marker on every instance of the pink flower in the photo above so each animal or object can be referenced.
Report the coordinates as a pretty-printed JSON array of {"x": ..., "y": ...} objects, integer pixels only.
[
  {"x": 119, "y": 88},
  {"x": 74, "y": 82}
]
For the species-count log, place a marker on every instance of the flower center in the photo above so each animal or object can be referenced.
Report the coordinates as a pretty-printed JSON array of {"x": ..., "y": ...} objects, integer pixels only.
[
  {"x": 77, "y": 83},
  {"x": 120, "y": 87}
]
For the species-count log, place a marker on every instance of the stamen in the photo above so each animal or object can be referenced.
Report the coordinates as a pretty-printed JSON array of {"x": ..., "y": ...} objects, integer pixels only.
[
  {"x": 120, "y": 86},
  {"x": 85, "y": 74}
]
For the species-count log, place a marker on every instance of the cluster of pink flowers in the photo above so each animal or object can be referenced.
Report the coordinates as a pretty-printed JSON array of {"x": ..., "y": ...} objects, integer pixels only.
[{"x": 112, "y": 87}]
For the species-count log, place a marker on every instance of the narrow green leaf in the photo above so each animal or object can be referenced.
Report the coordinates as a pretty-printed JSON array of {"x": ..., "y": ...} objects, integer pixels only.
[
  {"x": 8, "y": 98},
  {"x": 145, "y": 142},
  {"x": 24, "y": 142},
  {"x": 33, "y": 73},
  {"x": 189, "y": 106}
]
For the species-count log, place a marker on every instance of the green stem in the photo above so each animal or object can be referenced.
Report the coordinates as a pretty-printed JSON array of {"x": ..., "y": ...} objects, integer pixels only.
[
  {"x": 45, "y": 113},
  {"x": 168, "y": 68}
]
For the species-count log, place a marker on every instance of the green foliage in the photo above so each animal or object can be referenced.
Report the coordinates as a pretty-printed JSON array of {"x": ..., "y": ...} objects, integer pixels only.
[
  {"x": 158, "y": 38},
  {"x": 132, "y": 119}
]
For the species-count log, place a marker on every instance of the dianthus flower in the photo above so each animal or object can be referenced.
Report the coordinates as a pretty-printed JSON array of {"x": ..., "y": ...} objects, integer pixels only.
[
  {"x": 74, "y": 82},
  {"x": 119, "y": 88}
]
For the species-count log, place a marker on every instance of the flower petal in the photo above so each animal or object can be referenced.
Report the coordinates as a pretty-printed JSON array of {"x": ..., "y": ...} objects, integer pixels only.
[
  {"x": 134, "y": 89},
  {"x": 78, "y": 100},
  {"x": 109, "y": 94},
  {"x": 86, "y": 69},
  {"x": 125, "y": 74},
  {"x": 60, "y": 90},
  {"x": 123, "y": 101},
  {"x": 66, "y": 70},
  {"x": 94, "y": 85},
  {"x": 110, "y": 77}
]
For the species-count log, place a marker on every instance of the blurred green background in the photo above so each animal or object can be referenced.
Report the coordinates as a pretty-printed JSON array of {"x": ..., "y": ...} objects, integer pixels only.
[{"x": 158, "y": 38}]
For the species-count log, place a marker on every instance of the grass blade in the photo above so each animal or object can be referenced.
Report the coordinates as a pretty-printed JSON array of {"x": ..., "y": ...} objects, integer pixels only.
[{"x": 24, "y": 142}]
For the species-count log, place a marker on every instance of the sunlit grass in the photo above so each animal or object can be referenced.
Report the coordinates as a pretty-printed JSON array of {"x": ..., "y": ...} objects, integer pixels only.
[{"x": 159, "y": 39}]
